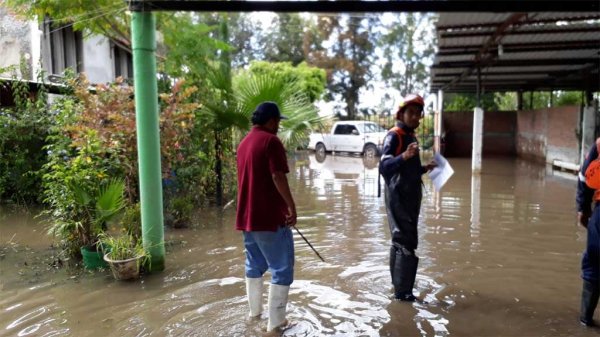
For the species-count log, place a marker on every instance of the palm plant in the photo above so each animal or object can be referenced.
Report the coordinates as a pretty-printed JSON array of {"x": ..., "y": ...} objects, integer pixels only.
[
  {"x": 250, "y": 91},
  {"x": 96, "y": 208}
]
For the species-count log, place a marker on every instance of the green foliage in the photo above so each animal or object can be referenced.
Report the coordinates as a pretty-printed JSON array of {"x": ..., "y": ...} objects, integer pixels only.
[
  {"x": 190, "y": 49},
  {"x": 408, "y": 43},
  {"x": 506, "y": 101},
  {"x": 468, "y": 102},
  {"x": 92, "y": 141},
  {"x": 425, "y": 132},
  {"x": 568, "y": 98},
  {"x": 131, "y": 220},
  {"x": 309, "y": 80},
  {"x": 124, "y": 247},
  {"x": 180, "y": 210},
  {"x": 105, "y": 17},
  {"x": 23, "y": 129},
  {"x": 285, "y": 39},
  {"x": 303, "y": 116},
  {"x": 538, "y": 100},
  {"x": 83, "y": 211}
]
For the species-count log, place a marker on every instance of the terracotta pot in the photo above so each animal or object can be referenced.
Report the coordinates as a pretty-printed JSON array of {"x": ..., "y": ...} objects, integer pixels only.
[{"x": 124, "y": 269}]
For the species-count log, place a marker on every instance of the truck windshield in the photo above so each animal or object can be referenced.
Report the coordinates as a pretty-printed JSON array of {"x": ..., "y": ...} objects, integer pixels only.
[{"x": 370, "y": 128}]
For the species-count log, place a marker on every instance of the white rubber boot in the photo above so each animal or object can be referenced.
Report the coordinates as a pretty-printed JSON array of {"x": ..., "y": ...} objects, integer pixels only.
[
  {"x": 278, "y": 297},
  {"x": 254, "y": 290}
]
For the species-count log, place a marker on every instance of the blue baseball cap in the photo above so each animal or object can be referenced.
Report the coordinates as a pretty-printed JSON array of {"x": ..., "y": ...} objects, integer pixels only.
[{"x": 265, "y": 111}]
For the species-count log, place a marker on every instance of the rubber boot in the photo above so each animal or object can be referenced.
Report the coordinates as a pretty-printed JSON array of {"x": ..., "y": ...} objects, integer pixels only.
[
  {"x": 392, "y": 263},
  {"x": 404, "y": 275},
  {"x": 278, "y": 297},
  {"x": 589, "y": 300},
  {"x": 254, "y": 290}
]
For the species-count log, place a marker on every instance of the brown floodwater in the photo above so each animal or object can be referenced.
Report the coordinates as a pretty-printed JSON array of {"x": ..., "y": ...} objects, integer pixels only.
[{"x": 500, "y": 256}]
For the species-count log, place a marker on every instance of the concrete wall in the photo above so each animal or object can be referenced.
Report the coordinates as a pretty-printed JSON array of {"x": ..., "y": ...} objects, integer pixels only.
[
  {"x": 98, "y": 63},
  {"x": 549, "y": 134},
  {"x": 15, "y": 42},
  {"x": 20, "y": 39},
  {"x": 499, "y": 129}
]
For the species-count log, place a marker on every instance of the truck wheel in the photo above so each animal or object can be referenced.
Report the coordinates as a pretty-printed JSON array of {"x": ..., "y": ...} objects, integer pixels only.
[
  {"x": 320, "y": 149},
  {"x": 370, "y": 150}
]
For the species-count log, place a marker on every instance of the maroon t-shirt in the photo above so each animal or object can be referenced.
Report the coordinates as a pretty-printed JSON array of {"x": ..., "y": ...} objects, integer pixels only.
[{"x": 260, "y": 207}]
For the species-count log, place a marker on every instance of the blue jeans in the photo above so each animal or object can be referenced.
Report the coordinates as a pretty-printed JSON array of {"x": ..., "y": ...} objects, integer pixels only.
[
  {"x": 590, "y": 264},
  {"x": 273, "y": 251}
]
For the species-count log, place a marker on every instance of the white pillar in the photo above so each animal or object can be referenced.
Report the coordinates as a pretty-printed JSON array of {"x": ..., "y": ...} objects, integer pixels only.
[
  {"x": 477, "y": 139},
  {"x": 437, "y": 131},
  {"x": 475, "y": 211},
  {"x": 36, "y": 49}
]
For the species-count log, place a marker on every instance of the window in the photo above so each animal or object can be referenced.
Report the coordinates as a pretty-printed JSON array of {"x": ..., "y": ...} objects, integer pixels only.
[
  {"x": 123, "y": 62},
  {"x": 343, "y": 129},
  {"x": 63, "y": 48}
]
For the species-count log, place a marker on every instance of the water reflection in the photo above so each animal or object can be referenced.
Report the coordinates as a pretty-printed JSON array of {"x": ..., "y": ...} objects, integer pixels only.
[{"x": 499, "y": 256}]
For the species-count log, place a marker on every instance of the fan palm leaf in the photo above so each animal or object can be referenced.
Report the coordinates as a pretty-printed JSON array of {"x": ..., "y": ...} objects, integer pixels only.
[{"x": 302, "y": 115}]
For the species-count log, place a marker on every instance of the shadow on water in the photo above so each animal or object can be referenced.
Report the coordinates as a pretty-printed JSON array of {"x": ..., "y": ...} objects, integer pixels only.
[{"x": 499, "y": 257}]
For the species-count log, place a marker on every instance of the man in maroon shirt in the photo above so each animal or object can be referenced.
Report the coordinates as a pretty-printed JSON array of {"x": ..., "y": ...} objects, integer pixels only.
[{"x": 265, "y": 212}]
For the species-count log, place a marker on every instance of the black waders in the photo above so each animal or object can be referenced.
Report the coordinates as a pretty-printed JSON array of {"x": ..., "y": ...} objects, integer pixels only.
[
  {"x": 403, "y": 267},
  {"x": 589, "y": 300}
]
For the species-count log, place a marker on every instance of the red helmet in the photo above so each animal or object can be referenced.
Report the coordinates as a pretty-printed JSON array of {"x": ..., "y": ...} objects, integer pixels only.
[{"x": 411, "y": 99}]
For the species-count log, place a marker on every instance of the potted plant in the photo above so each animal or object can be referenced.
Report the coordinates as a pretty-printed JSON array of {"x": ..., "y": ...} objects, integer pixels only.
[
  {"x": 125, "y": 256},
  {"x": 93, "y": 210}
]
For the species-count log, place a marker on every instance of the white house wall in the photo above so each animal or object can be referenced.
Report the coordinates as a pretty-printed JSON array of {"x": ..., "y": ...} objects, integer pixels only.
[
  {"x": 15, "y": 41},
  {"x": 98, "y": 63},
  {"x": 23, "y": 39}
]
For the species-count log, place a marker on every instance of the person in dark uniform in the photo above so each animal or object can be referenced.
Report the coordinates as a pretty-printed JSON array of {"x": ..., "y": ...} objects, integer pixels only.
[
  {"x": 401, "y": 169},
  {"x": 588, "y": 192}
]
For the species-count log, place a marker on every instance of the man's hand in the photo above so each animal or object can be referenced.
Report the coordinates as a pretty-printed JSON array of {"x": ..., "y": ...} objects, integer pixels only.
[
  {"x": 291, "y": 217},
  {"x": 431, "y": 165},
  {"x": 411, "y": 151},
  {"x": 583, "y": 218}
]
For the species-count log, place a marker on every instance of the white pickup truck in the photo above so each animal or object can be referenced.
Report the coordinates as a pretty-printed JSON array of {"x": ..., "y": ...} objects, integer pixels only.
[{"x": 350, "y": 136}]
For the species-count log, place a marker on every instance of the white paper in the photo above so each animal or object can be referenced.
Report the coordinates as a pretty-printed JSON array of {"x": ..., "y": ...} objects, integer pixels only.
[{"x": 441, "y": 173}]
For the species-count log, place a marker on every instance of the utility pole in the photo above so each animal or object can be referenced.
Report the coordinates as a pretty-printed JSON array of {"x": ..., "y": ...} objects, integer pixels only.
[{"x": 143, "y": 25}]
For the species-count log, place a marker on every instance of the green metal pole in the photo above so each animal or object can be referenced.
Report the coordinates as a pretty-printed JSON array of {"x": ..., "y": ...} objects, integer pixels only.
[{"x": 148, "y": 138}]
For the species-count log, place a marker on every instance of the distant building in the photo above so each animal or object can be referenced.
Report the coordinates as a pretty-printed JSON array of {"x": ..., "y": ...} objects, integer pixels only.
[{"x": 29, "y": 47}]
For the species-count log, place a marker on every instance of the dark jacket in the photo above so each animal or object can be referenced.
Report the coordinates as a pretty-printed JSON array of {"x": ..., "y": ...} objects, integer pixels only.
[
  {"x": 402, "y": 187},
  {"x": 584, "y": 193}
]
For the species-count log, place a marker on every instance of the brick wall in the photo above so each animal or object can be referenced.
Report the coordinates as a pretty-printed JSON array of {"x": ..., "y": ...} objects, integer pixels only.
[
  {"x": 548, "y": 134},
  {"x": 542, "y": 135},
  {"x": 499, "y": 128}
]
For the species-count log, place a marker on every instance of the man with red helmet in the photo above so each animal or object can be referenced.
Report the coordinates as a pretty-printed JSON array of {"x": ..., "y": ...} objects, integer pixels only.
[
  {"x": 401, "y": 169},
  {"x": 588, "y": 193}
]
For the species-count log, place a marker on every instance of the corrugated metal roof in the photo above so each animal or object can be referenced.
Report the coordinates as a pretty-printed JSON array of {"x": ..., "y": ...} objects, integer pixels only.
[{"x": 517, "y": 51}]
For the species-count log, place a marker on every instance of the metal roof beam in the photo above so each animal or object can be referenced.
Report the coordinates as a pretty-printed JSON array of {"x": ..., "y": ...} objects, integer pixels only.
[
  {"x": 520, "y": 63},
  {"x": 557, "y": 30},
  {"x": 483, "y": 57},
  {"x": 567, "y": 17},
  {"x": 367, "y": 6},
  {"x": 523, "y": 47}
]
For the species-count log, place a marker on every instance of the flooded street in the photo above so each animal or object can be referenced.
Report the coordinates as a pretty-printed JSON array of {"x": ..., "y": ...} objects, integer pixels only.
[{"x": 500, "y": 256}]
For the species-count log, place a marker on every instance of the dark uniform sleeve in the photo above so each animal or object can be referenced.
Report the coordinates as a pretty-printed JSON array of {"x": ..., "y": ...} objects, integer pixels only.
[
  {"x": 584, "y": 193},
  {"x": 390, "y": 163}
]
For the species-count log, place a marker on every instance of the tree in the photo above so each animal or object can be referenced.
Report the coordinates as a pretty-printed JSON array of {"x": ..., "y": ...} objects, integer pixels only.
[
  {"x": 309, "y": 80},
  {"x": 467, "y": 102},
  {"x": 252, "y": 90},
  {"x": 284, "y": 41},
  {"x": 244, "y": 36},
  {"x": 408, "y": 46},
  {"x": 104, "y": 17},
  {"x": 348, "y": 61}
]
